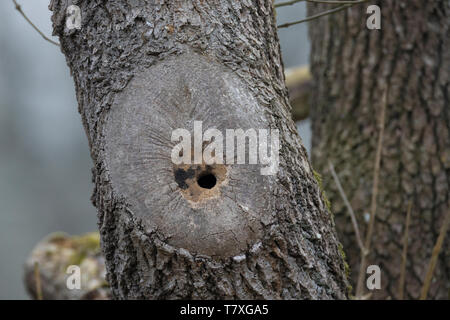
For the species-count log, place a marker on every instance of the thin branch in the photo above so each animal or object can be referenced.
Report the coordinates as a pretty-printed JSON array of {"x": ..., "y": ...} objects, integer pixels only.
[
  {"x": 345, "y": 5},
  {"x": 373, "y": 205},
  {"x": 287, "y": 3},
  {"x": 340, "y": 8},
  {"x": 337, "y": 2},
  {"x": 349, "y": 208},
  {"x": 436, "y": 250},
  {"x": 19, "y": 8},
  {"x": 37, "y": 279},
  {"x": 401, "y": 286}
]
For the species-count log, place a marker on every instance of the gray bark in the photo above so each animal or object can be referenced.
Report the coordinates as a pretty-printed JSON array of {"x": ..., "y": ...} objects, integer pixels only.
[
  {"x": 144, "y": 68},
  {"x": 352, "y": 66}
]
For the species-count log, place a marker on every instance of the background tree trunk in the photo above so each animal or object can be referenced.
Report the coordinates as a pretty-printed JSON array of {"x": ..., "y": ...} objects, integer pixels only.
[
  {"x": 352, "y": 67},
  {"x": 142, "y": 69}
]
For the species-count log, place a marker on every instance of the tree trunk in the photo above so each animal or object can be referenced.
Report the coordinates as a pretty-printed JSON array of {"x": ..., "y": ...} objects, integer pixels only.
[
  {"x": 352, "y": 67},
  {"x": 145, "y": 68}
]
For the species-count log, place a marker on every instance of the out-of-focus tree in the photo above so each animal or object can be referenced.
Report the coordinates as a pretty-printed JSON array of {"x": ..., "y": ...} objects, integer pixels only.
[{"x": 353, "y": 68}]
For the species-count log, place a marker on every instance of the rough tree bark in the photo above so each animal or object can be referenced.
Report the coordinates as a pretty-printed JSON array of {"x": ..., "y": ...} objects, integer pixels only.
[
  {"x": 144, "y": 68},
  {"x": 352, "y": 66}
]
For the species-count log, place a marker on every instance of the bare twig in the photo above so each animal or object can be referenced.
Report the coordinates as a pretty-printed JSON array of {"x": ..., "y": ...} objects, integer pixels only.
[
  {"x": 37, "y": 279},
  {"x": 340, "y": 8},
  {"x": 289, "y": 3},
  {"x": 345, "y": 5},
  {"x": 401, "y": 285},
  {"x": 373, "y": 205},
  {"x": 337, "y": 1},
  {"x": 19, "y": 8},
  {"x": 349, "y": 208},
  {"x": 436, "y": 250}
]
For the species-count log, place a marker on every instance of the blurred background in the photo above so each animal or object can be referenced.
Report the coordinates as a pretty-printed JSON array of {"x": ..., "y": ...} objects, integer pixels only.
[{"x": 45, "y": 166}]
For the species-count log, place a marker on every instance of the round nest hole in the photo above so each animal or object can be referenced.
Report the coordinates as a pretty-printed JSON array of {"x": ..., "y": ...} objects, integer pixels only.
[{"x": 207, "y": 180}]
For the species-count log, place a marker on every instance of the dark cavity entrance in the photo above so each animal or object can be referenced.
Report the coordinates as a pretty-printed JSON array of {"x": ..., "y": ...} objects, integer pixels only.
[
  {"x": 207, "y": 180},
  {"x": 181, "y": 176}
]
